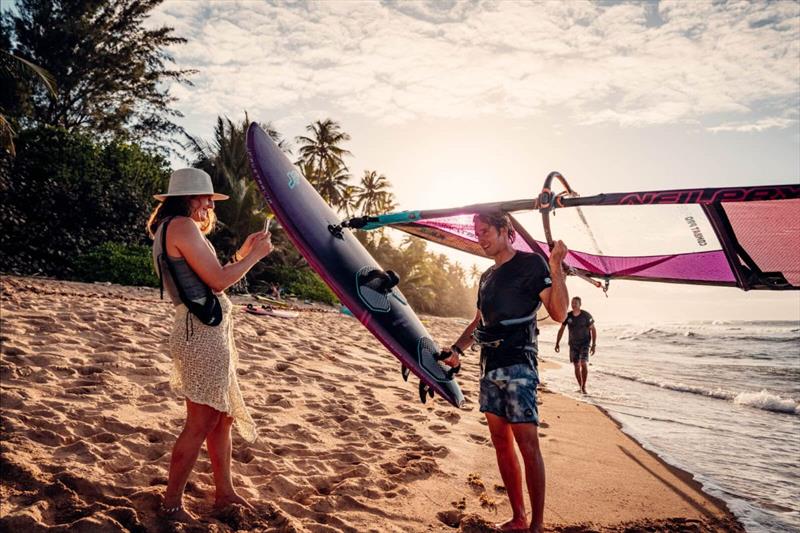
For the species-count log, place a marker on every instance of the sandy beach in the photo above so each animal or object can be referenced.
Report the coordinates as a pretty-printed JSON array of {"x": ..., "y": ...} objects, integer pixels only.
[{"x": 88, "y": 421}]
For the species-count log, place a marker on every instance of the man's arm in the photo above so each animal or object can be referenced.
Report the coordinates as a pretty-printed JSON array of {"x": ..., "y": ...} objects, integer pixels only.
[
  {"x": 594, "y": 337},
  {"x": 558, "y": 337},
  {"x": 463, "y": 342},
  {"x": 556, "y": 297}
]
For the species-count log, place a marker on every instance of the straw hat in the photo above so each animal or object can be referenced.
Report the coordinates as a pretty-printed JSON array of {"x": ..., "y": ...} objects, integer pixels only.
[{"x": 190, "y": 182}]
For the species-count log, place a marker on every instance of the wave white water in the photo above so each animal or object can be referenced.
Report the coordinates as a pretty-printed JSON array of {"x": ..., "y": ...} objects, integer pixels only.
[
  {"x": 760, "y": 400},
  {"x": 690, "y": 335},
  {"x": 768, "y": 401}
]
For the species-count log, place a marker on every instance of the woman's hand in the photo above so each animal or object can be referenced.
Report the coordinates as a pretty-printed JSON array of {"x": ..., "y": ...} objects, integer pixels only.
[
  {"x": 247, "y": 247},
  {"x": 261, "y": 245}
]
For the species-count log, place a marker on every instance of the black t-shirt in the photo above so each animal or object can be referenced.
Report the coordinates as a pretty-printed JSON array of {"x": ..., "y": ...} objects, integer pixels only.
[
  {"x": 579, "y": 332},
  {"x": 511, "y": 291}
]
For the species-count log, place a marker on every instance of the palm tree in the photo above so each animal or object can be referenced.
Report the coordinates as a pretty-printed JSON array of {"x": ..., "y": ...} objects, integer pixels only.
[
  {"x": 374, "y": 197},
  {"x": 333, "y": 186},
  {"x": 475, "y": 274},
  {"x": 13, "y": 67},
  {"x": 322, "y": 159},
  {"x": 225, "y": 159},
  {"x": 350, "y": 200},
  {"x": 416, "y": 271}
]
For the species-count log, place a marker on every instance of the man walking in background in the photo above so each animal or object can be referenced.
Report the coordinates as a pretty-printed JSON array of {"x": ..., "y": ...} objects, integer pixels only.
[{"x": 582, "y": 340}]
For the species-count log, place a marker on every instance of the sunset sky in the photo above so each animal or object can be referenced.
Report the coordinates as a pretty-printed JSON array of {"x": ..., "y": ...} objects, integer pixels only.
[{"x": 463, "y": 102}]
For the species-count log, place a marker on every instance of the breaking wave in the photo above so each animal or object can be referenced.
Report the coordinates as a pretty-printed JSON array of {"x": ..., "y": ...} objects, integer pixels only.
[{"x": 764, "y": 399}]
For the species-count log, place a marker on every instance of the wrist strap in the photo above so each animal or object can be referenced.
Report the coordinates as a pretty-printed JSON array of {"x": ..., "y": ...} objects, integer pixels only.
[{"x": 458, "y": 350}]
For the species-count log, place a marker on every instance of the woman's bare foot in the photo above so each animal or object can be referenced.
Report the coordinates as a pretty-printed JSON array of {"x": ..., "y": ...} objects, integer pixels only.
[
  {"x": 176, "y": 514},
  {"x": 231, "y": 499},
  {"x": 515, "y": 524}
]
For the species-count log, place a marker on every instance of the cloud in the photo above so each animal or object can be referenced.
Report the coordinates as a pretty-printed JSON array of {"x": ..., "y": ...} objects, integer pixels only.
[
  {"x": 755, "y": 126},
  {"x": 630, "y": 64}
]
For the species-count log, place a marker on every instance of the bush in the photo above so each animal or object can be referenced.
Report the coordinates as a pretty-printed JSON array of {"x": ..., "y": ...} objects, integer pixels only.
[
  {"x": 302, "y": 282},
  {"x": 65, "y": 194},
  {"x": 117, "y": 263}
]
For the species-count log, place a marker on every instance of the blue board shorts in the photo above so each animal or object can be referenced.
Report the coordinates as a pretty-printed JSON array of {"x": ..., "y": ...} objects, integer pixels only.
[
  {"x": 579, "y": 353},
  {"x": 510, "y": 392}
]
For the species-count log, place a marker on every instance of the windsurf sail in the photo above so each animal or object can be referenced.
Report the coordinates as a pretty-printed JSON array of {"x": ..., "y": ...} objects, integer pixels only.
[{"x": 746, "y": 237}]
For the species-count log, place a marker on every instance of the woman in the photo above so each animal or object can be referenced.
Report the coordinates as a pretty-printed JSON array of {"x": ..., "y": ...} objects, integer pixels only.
[{"x": 204, "y": 357}]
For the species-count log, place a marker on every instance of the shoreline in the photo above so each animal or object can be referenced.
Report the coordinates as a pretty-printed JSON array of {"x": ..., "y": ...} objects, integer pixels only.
[
  {"x": 88, "y": 421},
  {"x": 684, "y": 475}
]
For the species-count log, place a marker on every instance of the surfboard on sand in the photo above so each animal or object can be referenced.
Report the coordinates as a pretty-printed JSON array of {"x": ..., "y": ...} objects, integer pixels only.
[
  {"x": 271, "y": 301},
  {"x": 349, "y": 270},
  {"x": 268, "y": 311}
]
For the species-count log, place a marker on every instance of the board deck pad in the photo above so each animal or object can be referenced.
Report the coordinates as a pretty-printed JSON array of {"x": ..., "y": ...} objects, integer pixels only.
[{"x": 345, "y": 265}]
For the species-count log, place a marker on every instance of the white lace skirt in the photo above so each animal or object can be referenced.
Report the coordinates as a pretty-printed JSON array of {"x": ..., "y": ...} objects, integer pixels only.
[{"x": 204, "y": 365}]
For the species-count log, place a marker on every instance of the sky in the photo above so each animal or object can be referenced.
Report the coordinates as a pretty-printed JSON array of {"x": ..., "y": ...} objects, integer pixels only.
[{"x": 465, "y": 102}]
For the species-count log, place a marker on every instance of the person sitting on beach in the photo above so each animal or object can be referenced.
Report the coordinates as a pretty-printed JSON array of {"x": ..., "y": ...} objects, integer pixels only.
[
  {"x": 274, "y": 291},
  {"x": 509, "y": 294},
  {"x": 204, "y": 357},
  {"x": 581, "y": 333}
]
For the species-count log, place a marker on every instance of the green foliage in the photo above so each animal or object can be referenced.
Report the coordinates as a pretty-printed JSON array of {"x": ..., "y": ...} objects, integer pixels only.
[
  {"x": 111, "y": 69},
  {"x": 302, "y": 282},
  {"x": 225, "y": 159},
  {"x": 322, "y": 162},
  {"x": 65, "y": 194},
  {"x": 117, "y": 263},
  {"x": 430, "y": 282},
  {"x": 373, "y": 197}
]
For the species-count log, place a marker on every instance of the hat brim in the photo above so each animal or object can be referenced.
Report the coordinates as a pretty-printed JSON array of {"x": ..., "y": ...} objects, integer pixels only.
[{"x": 217, "y": 197}]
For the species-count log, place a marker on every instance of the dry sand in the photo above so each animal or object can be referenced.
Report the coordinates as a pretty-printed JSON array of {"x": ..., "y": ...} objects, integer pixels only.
[{"x": 88, "y": 422}]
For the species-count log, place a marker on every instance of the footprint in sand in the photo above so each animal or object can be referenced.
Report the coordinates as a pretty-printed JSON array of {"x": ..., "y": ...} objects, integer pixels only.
[
  {"x": 46, "y": 437},
  {"x": 244, "y": 455},
  {"x": 449, "y": 416},
  {"x": 439, "y": 429},
  {"x": 478, "y": 439}
]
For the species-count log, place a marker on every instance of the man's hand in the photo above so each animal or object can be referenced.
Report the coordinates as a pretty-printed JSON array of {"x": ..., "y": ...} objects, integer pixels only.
[
  {"x": 557, "y": 255},
  {"x": 591, "y": 350},
  {"x": 557, "y": 349},
  {"x": 453, "y": 360}
]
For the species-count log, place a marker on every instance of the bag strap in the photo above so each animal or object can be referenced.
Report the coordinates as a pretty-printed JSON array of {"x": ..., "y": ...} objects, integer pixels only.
[{"x": 170, "y": 266}]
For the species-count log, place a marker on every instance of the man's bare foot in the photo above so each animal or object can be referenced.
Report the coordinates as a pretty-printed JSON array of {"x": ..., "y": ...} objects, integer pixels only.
[
  {"x": 515, "y": 524},
  {"x": 583, "y": 391},
  {"x": 231, "y": 499},
  {"x": 536, "y": 528}
]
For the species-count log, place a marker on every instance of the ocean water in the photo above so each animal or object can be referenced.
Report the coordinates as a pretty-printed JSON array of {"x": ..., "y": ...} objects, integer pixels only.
[{"x": 718, "y": 399}]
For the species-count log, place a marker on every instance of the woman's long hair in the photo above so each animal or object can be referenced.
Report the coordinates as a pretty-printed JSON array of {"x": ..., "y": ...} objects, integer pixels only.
[{"x": 177, "y": 206}]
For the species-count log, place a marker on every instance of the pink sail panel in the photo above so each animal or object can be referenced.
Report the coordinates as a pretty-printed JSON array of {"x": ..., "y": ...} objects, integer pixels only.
[
  {"x": 709, "y": 266},
  {"x": 712, "y": 266},
  {"x": 770, "y": 234}
]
